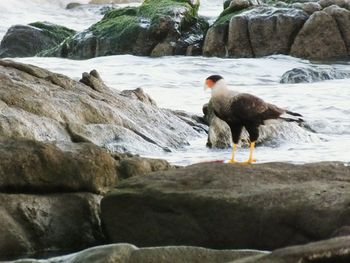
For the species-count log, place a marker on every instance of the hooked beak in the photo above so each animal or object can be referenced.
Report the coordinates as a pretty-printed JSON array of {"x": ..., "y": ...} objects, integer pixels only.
[{"x": 208, "y": 84}]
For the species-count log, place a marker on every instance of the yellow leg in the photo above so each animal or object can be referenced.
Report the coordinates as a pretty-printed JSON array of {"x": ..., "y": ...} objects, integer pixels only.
[
  {"x": 234, "y": 148},
  {"x": 250, "y": 159}
]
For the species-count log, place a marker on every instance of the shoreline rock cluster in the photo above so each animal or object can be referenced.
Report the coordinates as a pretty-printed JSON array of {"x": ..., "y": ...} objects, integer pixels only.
[
  {"x": 63, "y": 189},
  {"x": 276, "y": 206},
  {"x": 257, "y": 30},
  {"x": 316, "y": 30}
]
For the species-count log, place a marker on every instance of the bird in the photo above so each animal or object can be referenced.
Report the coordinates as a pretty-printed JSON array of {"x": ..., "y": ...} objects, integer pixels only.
[{"x": 240, "y": 110}]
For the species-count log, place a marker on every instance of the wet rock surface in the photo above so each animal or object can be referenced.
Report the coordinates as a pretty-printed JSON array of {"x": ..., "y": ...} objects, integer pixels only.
[
  {"x": 29, "y": 40},
  {"x": 263, "y": 206},
  {"x": 40, "y": 105},
  {"x": 125, "y": 253},
  {"x": 308, "y": 75}
]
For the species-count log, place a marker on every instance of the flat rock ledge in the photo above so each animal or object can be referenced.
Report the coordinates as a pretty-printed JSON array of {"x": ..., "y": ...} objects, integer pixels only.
[{"x": 223, "y": 206}]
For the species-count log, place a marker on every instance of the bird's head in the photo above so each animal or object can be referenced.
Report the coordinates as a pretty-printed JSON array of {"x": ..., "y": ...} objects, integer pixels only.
[{"x": 212, "y": 81}]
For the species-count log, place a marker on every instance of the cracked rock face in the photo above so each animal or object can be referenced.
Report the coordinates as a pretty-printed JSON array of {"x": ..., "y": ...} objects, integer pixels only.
[{"x": 40, "y": 105}]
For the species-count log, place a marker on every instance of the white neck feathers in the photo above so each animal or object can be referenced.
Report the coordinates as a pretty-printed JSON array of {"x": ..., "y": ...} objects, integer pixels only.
[{"x": 219, "y": 88}]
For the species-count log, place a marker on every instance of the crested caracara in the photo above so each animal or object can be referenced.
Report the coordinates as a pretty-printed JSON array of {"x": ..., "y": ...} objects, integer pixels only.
[{"x": 240, "y": 110}]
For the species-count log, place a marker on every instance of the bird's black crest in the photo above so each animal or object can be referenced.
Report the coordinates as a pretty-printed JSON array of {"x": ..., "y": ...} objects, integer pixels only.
[{"x": 215, "y": 78}]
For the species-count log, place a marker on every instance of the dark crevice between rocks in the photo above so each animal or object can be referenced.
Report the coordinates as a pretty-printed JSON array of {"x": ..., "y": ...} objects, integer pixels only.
[
  {"x": 293, "y": 37},
  {"x": 249, "y": 41},
  {"x": 342, "y": 35},
  {"x": 166, "y": 149}
]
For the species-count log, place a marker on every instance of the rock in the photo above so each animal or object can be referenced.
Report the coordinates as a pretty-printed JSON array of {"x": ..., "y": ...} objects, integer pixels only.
[
  {"x": 27, "y": 41},
  {"x": 308, "y": 7},
  {"x": 237, "y": 5},
  {"x": 274, "y": 131},
  {"x": 342, "y": 17},
  {"x": 335, "y": 250},
  {"x": 35, "y": 167},
  {"x": 73, "y": 5},
  {"x": 48, "y": 223},
  {"x": 340, "y": 3},
  {"x": 140, "y": 95},
  {"x": 322, "y": 31},
  {"x": 256, "y": 32},
  {"x": 130, "y": 166},
  {"x": 40, "y": 105},
  {"x": 94, "y": 81},
  {"x": 163, "y": 49},
  {"x": 262, "y": 206},
  {"x": 308, "y": 75},
  {"x": 214, "y": 43},
  {"x": 268, "y": 30},
  {"x": 238, "y": 38},
  {"x": 243, "y": 30},
  {"x": 157, "y": 28},
  {"x": 125, "y": 253}
]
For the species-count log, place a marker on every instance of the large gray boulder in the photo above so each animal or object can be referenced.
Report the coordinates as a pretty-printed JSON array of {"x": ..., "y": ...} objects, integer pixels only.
[
  {"x": 271, "y": 30},
  {"x": 40, "y": 105},
  {"x": 342, "y": 17},
  {"x": 258, "y": 32},
  {"x": 320, "y": 38},
  {"x": 48, "y": 223},
  {"x": 300, "y": 29},
  {"x": 214, "y": 44},
  {"x": 263, "y": 206},
  {"x": 28, "y": 40}
]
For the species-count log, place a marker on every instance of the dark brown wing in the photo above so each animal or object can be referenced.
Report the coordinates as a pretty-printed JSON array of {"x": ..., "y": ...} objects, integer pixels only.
[{"x": 249, "y": 108}]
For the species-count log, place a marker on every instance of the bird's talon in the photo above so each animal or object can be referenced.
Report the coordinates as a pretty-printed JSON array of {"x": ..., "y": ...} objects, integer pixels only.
[{"x": 248, "y": 162}]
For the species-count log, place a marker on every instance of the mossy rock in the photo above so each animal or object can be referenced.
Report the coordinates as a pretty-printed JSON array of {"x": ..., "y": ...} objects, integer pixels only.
[
  {"x": 227, "y": 14},
  {"x": 28, "y": 40},
  {"x": 135, "y": 30},
  {"x": 56, "y": 32}
]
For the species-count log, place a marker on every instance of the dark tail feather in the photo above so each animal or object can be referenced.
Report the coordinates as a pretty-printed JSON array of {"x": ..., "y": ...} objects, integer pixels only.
[{"x": 293, "y": 113}]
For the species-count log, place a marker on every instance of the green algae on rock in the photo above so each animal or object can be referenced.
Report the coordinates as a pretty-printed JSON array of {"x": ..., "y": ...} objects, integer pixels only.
[
  {"x": 138, "y": 31},
  {"x": 28, "y": 40}
]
